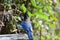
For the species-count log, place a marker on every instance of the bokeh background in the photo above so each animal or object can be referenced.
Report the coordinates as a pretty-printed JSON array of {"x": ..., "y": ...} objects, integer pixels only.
[{"x": 44, "y": 15}]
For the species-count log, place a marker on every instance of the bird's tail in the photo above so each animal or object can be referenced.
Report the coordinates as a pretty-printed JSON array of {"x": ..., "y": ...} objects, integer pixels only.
[{"x": 30, "y": 35}]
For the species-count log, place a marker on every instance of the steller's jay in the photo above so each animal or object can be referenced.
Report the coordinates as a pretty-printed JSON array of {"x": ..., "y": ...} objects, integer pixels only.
[{"x": 26, "y": 25}]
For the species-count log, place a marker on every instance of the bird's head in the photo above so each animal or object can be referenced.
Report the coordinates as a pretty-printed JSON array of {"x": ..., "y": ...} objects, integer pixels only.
[{"x": 26, "y": 16}]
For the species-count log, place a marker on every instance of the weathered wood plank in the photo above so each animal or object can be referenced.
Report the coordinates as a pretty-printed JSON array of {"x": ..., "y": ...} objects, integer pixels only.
[{"x": 14, "y": 37}]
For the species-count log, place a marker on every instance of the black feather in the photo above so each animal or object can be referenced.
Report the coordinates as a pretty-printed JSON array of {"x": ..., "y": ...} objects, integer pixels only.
[{"x": 25, "y": 16}]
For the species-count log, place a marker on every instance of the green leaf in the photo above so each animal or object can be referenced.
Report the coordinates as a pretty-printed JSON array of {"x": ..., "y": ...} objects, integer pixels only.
[
  {"x": 48, "y": 36},
  {"x": 42, "y": 38},
  {"x": 49, "y": 7},
  {"x": 33, "y": 3},
  {"x": 29, "y": 13},
  {"x": 34, "y": 37},
  {"x": 52, "y": 26},
  {"x": 57, "y": 31},
  {"x": 40, "y": 11},
  {"x": 23, "y": 8},
  {"x": 16, "y": 18},
  {"x": 45, "y": 17},
  {"x": 51, "y": 12}
]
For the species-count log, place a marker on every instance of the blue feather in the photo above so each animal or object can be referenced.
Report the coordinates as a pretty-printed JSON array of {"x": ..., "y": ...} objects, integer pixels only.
[{"x": 28, "y": 28}]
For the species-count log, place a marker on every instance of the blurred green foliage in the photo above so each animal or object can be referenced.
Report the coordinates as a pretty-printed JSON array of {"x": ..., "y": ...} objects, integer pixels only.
[{"x": 40, "y": 10}]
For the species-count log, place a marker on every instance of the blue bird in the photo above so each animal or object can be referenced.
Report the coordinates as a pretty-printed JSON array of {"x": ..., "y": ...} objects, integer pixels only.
[{"x": 26, "y": 25}]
